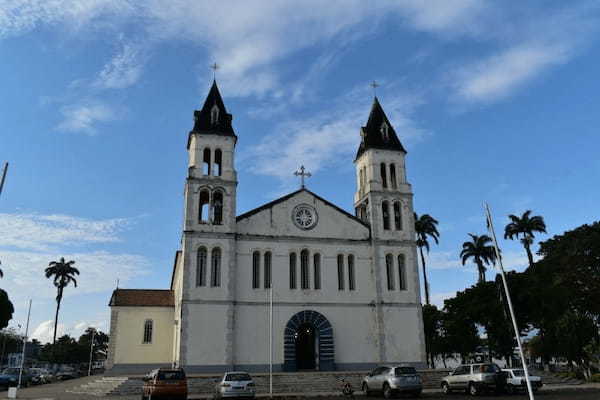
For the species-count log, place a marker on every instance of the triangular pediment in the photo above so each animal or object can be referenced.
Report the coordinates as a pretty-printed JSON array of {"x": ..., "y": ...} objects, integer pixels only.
[{"x": 303, "y": 214}]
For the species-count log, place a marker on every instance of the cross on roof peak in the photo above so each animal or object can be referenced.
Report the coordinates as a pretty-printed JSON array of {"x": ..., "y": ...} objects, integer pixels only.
[
  {"x": 374, "y": 85},
  {"x": 302, "y": 173},
  {"x": 215, "y": 67}
]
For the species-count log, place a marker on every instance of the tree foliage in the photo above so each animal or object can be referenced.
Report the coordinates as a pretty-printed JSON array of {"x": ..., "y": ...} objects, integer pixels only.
[
  {"x": 62, "y": 272},
  {"x": 481, "y": 251},
  {"x": 425, "y": 228}
]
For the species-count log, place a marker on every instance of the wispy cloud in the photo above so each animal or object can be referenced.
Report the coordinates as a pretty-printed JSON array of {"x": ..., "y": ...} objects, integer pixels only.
[
  {"x": 45, "y": 329},
  {"x": 123, "y": 70},
  {"x": 329, "y": 136},
  {"x": 44, "y": 232},
  {"x": 84, "y": 118}
]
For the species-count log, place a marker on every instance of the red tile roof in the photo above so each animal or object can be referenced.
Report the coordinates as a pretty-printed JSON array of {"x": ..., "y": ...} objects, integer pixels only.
[{"x": 142, "y": 298}]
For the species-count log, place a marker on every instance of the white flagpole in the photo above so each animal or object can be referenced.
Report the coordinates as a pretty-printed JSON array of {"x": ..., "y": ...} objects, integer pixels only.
[
  {"x": 3, "y": 176},
  {"x": 91, "y": 352},
  {"x": 271, "y": 338},
  {"x": 508, "y": 299},
  {"x": 24, "y": 345}
]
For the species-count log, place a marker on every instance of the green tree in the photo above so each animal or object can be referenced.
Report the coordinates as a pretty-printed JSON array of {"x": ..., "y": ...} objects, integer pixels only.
[
  {"x": 525, "y": 226},
  {"x": 425, "y": 228},
  {"x": 63, "y": 273},
  {"x": 6, "y": 309},
  {"x": 432, "y": 321},
  {"x": 481, "y": 251},
  {"x": 459, "y": 330}
]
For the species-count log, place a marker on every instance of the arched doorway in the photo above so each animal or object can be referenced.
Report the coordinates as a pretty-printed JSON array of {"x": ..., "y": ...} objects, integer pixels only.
[
  {"x": 308, "y": 342},
  {"x": 306, "y": 339}
]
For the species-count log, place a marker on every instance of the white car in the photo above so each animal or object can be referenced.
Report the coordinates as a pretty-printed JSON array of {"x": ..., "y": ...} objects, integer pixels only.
[{"x": 515, "y": 380}]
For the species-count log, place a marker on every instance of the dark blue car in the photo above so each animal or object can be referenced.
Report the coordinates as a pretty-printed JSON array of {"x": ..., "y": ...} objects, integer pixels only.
[{"x": 10, "y": 377}]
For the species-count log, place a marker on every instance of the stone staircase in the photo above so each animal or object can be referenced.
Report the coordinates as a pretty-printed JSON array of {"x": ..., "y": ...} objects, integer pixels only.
[
  {"x": 300, "y": 382},
  {"x": 554, "y": 379}
]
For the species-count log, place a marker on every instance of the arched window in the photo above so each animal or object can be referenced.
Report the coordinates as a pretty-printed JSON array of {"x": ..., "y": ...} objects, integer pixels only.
[
  {"x": 267, "y": 264},
  {"x": 215, "y": 274},
  {"x": 398, "y": 216},
  {"x": 383, "y": 175},
  {"x": 393, "y": 182},
  {"x": 206, "y": 162},
  {"x": 148, "y": 331},
  {"x": 217, "y": 207},
  {"x": 361, "y": 181},
  {"x": 214, "y": 114},
  {"x": 351, "y": 276},
  {"x": 340, "y": 267},
  {"x": 385, "y": 132},
  {"x": 201, "y": 267},
  {"x": 204, "y": 207},
  {"x": 304, "y": 278},
  {"x": 317, "y": 270},
  {"x": 292, "y": 270},
  {"x": 402, "y": 271},
  {"x": 389, "y": 268},
  {"x": 255, "y": 270},
  {"x": 364, "y": 179},
  {"x": 385, "y": 213},
  {"x": 218, "y": 162}
]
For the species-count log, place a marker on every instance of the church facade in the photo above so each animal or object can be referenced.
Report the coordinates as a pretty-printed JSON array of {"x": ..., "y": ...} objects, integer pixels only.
[{"x": 345, "y": 288}]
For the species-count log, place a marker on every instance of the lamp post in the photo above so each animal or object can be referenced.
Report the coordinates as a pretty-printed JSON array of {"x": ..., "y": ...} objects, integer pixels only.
[
  {"x": 91, "y": 352},
  {"x": 24, "y": 346}
]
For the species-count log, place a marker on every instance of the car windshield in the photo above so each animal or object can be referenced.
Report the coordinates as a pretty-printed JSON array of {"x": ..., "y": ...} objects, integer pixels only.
[
  {"x": 237, "y": 377},
  {"x": 489, "y": 368},
  {"x": 405, "y": 370},
  {"x": 170, "y": 375},
  {"x": 518, "y": 372}
]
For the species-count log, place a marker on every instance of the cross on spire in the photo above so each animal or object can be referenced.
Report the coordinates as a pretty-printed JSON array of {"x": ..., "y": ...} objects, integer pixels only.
[
  {"x": 302, "y": 173},
  {"x": 374, "y": 85},
  {"x": 215, "y": 67}
]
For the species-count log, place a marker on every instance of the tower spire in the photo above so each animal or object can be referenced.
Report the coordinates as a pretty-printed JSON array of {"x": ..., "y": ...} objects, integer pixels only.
[
  {"x": 213, "y": 117},
  {"x": 379, "y": 132}
]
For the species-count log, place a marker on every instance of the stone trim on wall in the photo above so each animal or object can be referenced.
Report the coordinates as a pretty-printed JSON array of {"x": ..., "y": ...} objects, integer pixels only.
[{"x": 301, "y": 304}]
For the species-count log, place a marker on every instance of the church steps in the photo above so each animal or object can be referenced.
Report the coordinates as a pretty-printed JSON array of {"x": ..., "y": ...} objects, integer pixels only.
[{"x": 303, "y": 382}]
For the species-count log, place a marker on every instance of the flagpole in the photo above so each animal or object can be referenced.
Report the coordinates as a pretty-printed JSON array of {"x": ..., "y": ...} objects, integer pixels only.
[
  {"x": 3, "y": 176},
  {"x": 91, "y": 352},
  {"x": 508, "y": 299},
  {"x": 24, "y": 345}
]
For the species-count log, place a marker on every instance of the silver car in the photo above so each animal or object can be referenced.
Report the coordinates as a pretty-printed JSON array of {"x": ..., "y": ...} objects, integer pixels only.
[
  {"x": 474, "y": 379},
  {"x": 235, "y": 384},
  {"x": 391, "y": 380}
]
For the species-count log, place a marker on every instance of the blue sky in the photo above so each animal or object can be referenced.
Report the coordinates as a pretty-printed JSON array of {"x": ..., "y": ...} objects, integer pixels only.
[{"x": 495, "y": 101}]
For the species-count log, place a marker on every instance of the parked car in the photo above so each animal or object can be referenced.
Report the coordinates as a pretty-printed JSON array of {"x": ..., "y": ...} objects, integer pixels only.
[
  {"x": 40, "y": 376},
  {"x": 10, "y": 377},
  {"x": 475, "y": 379},
  {"x": 390, "y": 380},
  {"x": 66, "y": 374},
  {"x": 235, "y": 384},
  {"x": 515, "y": 380},
  {"x": 168, "y": 383}
]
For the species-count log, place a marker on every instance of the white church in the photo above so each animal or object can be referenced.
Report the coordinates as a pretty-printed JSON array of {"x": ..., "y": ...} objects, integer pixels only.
[{"x": 345, "y": 287}]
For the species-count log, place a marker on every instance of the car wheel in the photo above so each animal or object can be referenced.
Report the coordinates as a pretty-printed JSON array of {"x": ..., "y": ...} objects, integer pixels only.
[
  {"x": 510, "y": 389},
  {"x": 365, "y": 389},
  {"x": 473, "y": 391},
  {"x": 446, "y": 388},
  {"x": 417, "y": 393},
  {"x": 387, "y": 391}
]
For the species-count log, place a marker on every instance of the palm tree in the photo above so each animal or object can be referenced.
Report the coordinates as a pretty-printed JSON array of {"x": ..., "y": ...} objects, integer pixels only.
[
  {"x": 1, "y": 272},
  {"x": 425, "y": 226},
  {"x": 63, "y": 274},
  {"x": 481, "y": 251},
  {"x": 525, "y": 226}
]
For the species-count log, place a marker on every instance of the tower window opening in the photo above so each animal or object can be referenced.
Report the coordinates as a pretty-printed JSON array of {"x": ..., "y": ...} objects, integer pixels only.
[
  {"x": 267, "y": 266},
  {"x": 385, "y": 212},
  {"x": 304, "y": 275},
  {"x": 217, "y": 168},
  {"x": 201, "y": 267},
  {"x": 389, "y": 269},
  {"x": 214, "y": 114},
  {"x": 218, "y": 208},
  {"x": 255, "y": 270},
  {"x": 402, "y": 271},
  {"x": 385, "y": 132},
  {"x": 340, "y": 267},
  {"x": 204, "y": 207},
  {"x": 398, "y": 216},
  {"x": 206, "y": 162},
  {"x": 383, "y": 176},
  {"x": 215, "y": 275},
  {"x": 393, "y": 182},
  {"x": 317, "y": 270},
  {"x": 292, "y": 270}
]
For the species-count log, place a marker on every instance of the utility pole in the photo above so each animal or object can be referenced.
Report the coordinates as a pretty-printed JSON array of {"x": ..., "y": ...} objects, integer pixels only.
[
  {"x": 24, "y": 345},
  {"x": 3, "y": 176},
  {"x": 91, "y": 352}
]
